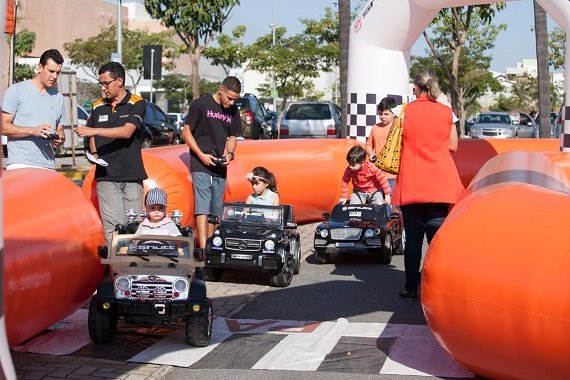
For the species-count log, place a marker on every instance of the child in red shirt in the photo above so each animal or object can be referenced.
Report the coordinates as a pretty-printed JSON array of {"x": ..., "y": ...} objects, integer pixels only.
[{"x": 369, "y": 184}]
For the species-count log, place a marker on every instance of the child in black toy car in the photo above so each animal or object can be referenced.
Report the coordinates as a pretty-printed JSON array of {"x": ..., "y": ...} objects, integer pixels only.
[
  {"x": 264, "y": 187},
  {"x": 369, "y": 183}
]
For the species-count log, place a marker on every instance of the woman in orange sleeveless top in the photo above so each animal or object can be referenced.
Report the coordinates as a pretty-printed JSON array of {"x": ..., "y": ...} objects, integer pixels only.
[{"x": 428, "y": 182}]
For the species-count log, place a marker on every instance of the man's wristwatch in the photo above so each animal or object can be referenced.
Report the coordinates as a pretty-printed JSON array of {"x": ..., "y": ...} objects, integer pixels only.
[
  {"x": 233, "y": 155},
  {"x": 373, "y": 159}
]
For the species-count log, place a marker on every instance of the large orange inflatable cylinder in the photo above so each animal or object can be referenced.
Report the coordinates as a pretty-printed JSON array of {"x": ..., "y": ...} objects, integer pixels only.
[
  {"x": 167, "y": 168},
  {"x": 51, "y": 264},
  {"x": 495, "y": 280},
  {"x": 472, "y": 154},
  {"x": 308, "y": 173}
]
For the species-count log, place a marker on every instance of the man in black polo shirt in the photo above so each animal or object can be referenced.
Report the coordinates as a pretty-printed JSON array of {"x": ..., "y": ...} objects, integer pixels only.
[{"x": 115, "y": 131}]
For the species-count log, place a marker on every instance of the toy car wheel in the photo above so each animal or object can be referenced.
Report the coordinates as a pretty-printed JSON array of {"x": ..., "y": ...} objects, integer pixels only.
[
  {"x": 284, "y": 277},
  {"x": 402, "y": 245},
  {"x": 213, "y": 274},
  {"x": 102, "y": 325},
  {"x": 297, "y": 255},
  {"x": 387, "y": 250},
  {"x": 322, "y": 256},
  {"x": 199, "y": 326}
]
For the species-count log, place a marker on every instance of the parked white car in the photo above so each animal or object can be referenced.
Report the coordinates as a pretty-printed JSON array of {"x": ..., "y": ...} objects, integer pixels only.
[{"x": 310, "y": 120}]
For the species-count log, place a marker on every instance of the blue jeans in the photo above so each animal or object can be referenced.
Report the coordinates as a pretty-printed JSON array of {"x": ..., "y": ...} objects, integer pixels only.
[
  {"x": 115, "y": 198},
  {"x": 392, "y": 182},
  {"x": 419, "y": 219}
]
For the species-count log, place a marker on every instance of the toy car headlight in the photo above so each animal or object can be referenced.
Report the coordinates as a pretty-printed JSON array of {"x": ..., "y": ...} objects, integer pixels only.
[
  {"x": 176, "y": 216},
  {"x": 269, "y": 245},
  {"x": 324, "y": 233},
  {"x": 369, "y": 233},
  {"x": 123, "y": 283},
  {"x": 217, "y": 241},
  {"x": 180, "y": 285}
]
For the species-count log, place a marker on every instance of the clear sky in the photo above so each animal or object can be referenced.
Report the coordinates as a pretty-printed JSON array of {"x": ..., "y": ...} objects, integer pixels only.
[{"x": 512, "y": 45}]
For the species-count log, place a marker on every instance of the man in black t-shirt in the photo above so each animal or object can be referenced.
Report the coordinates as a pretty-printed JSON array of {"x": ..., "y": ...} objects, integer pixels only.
[
  {"x": 210, "y": 131},
  {"x": 115, "y": 131}
]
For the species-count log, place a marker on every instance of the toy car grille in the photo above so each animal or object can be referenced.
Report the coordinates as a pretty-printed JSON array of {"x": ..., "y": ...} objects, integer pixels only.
[
  {"x": 151, "y": 291},
  {"x": 243, "y": 244},
  {"x": 346, "y": 233}
]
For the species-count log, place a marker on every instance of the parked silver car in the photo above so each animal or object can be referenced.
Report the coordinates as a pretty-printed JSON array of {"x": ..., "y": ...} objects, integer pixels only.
[
  {"x": 310, "y": 120},
  {"x": 493, "y": 125}
]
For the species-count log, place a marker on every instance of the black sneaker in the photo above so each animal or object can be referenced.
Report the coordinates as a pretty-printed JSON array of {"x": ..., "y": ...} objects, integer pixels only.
[{"x": 409, "y": 294}]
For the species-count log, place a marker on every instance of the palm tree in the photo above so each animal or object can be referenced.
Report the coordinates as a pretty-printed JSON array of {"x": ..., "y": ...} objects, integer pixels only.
[
  {"x": 344, "y": 19},
  {"x": 540, "y": 30}
]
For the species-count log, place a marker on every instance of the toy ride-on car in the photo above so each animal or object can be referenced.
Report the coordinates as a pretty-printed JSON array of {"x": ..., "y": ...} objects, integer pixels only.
[
  {"x": 377, "y": 229},
  {"x": 151, "y": 279},
  {"x": 255, "y": 237}
]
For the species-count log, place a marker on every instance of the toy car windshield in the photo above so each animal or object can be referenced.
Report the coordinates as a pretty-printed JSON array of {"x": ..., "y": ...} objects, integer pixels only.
[
  {"x": 252, "y": 214},
  {"x": 358, "y": 212},
  {"x": 153, "y": 247}
]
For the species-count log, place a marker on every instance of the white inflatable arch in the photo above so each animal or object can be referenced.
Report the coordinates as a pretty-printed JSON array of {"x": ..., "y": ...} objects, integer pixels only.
[{"x": 381, "y": 38}]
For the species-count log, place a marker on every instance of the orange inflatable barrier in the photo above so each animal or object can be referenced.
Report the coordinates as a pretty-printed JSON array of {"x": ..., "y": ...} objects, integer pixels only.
[
  {"x": 308, "y": 173},
  {"x": 495, "y": 280},
  {"x": 472, "y": 154},
  {"x": 51, "y": 266}
]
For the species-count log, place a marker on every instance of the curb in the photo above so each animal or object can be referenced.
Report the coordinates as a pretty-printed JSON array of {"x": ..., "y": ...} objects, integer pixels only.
[{"x": 74, "y": 173}]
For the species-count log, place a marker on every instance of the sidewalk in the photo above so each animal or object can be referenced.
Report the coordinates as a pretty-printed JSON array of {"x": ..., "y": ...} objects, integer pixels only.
[{"x": 228, "y": 298}]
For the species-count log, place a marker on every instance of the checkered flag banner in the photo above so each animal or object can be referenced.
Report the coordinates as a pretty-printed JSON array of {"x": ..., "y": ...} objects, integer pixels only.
[{"x": 362, "y": 114}]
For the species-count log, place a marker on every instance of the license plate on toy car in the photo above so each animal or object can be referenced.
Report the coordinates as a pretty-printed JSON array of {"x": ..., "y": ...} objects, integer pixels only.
[
  {"x": 344, "y": 244},
  {"x": 241, "y": 257}
]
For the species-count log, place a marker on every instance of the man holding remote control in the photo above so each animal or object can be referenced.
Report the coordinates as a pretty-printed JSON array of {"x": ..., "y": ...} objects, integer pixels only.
[
  {"x": 210, "y": 131},
  {"x": 32, "y": 116}
]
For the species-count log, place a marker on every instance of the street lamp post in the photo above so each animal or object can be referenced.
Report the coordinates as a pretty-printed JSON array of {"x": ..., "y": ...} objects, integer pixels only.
[
  {"x": 119, "y": 33},
  {"x": 273, "y": 26},
  {"x": 151, "y": 71}
]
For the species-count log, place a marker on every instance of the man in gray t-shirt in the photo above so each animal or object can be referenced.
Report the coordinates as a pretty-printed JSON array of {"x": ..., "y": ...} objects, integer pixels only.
[{"x": 32, "y": 113}]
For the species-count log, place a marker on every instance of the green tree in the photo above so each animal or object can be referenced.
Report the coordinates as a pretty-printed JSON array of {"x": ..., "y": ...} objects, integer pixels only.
[
  {"x": 230, "y": 50},
  {"x": 524, "y": 93},
  {"x": 505, "y": 104},
  {"x": 23, "y": 45},
  {"x": 557, "y": 48},
  {"x": 178, "y": 90},
  {"x": 292, "y": 61},
  {"x": 93, "y": 52},
  {"x": 196, "y": 22},
  {"x": 474, "y": 79},
  {"x": 458, "y": 28}
]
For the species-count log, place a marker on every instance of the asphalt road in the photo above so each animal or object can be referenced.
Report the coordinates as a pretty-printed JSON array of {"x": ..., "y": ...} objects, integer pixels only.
[{"x": 352, "y": 287}]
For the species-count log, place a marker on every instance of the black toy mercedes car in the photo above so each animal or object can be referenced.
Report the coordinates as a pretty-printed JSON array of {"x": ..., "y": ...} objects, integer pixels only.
[
  {"x": 377, "y": 229},
  {"x": 255, "y": 237},
  {"x": 151, "y": 279}
]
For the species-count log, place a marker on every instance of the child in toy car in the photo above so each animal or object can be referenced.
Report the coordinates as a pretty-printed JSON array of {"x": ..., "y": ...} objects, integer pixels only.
[
  {"x": 264, "y": 187},
  {"x": 157, "y": 222},
  {"x": 369, "y": 183}
]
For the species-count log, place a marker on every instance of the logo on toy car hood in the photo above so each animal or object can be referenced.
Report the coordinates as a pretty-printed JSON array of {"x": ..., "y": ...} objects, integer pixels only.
[{"x": 149, "y": 245}]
